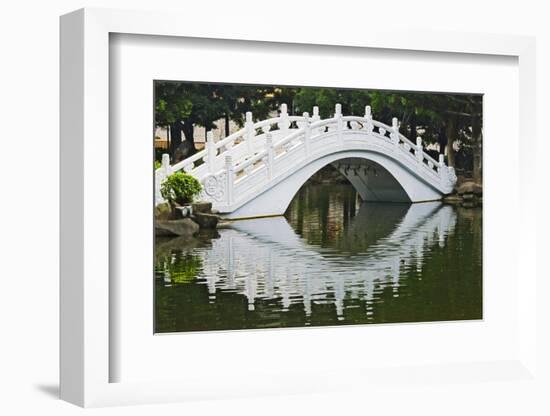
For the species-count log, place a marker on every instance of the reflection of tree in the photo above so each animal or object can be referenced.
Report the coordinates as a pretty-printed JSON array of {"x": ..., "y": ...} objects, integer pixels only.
[
  {"x": 327, "y": 215},
  {"x": 337, "y": 220},
  {"x": 180, "y": 266}
]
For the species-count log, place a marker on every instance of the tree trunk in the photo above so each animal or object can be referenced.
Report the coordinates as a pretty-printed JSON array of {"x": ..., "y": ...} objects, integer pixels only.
[
  {"x": 413, "y": 127},
  {"x": 181, "y": 148},
  {"x": 476, "y": 142},
  {"x": 451, "y": 137},
  {"x": 168, "y": 139},
  {"x": 175, "y": 139},
  {"x": 189, "y": 142},
  {"x": 226, "y": 117},
  {"x": 188, "y": 132}
]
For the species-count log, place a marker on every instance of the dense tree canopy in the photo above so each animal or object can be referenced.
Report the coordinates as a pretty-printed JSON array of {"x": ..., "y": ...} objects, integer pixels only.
[{"x": 442, "y": 118}]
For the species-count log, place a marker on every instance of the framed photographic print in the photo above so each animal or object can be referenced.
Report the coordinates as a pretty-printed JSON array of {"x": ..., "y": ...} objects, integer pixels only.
[
  {"x": 320, "y": 219},
  {"x": 288, "y": 213}
]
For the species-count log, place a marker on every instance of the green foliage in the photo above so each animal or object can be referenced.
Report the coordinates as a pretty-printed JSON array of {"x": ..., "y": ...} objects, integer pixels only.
[
  {"x": 182, "y": 267},
  {"x": 173, "y": 103},
  {"x": 157, "y": 164},
  {"x": 203, "y": 104},
  {"x": 180, "y": 188}
]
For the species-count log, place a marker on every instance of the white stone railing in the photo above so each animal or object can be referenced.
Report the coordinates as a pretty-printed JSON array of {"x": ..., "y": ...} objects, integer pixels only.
[{"x": 261, "y": 150}]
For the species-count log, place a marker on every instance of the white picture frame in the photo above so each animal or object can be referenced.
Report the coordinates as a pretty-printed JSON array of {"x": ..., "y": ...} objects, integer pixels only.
[{"x": 85, "y": 218}]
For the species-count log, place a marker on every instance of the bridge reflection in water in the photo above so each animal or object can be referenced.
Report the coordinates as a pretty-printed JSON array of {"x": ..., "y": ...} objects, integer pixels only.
[{"x": 335, "y": 268}]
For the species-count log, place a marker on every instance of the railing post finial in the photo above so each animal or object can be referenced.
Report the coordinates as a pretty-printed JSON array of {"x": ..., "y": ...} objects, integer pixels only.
[
  {"x": 316, "y": 117},
  {"x": 443, "y": 170},
  {"x": 419, "y": 152},
  {"x": 250, "y": 132},
  {"x": 165, "y": 162},
  {"x": 369, "y": 127},
  {"x": 395, "y": 130},
  {"x": 284, "y": 122},
  {"x": 339, "y": 122},
  {"x": 368, "y": 112}
]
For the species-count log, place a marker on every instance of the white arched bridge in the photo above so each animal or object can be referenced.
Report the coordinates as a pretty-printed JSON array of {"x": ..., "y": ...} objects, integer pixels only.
[{"x": 257, "y": 171}]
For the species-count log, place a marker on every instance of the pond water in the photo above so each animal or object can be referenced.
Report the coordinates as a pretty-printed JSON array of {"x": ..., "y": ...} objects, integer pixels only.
[{"x": 331, "y": 260}]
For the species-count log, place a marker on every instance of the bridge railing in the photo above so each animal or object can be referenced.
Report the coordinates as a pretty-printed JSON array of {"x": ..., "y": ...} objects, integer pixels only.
[
  {"x": 241, "y": 144},
  {"x": 260, "y": 145}
]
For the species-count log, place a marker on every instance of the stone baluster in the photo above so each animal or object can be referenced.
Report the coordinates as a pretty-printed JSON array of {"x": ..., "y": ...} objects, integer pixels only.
[
  {"x": 284, "y": 122},
  {"x": 166, "y": 164},
  {"x": 369, "y": 127},
  {"x": 210, "y": 152},
  {"x": 229, "y": 178},
  {"x": 307, "y": 133},
  {"x": 270, "y": 155},
  {"x": 442, "y": 169},
  {"x": 160, "y": 175},
  {"x": 339, "y": 121},
  {"x": 249, "y": 132},
  {"x": 418, "y": 152},
  {"x": 314, "y": 118},
  {"x": 395, "y": 131}
]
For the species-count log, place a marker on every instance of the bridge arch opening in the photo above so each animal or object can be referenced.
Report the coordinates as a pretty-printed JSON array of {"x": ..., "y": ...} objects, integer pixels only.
[
  {"x": 371, "y": 181},
  {"x": 343, "y": 195}
]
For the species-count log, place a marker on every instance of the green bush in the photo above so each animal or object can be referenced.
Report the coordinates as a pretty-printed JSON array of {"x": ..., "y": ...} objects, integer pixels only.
[
  {"x": 157, "y": 164},
  {"x": 180, "y": 188}
]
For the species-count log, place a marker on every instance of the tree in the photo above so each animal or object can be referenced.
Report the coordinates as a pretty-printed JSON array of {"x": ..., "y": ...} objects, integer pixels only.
[
  {"x": 172, "y": 105},
  {"x": 180, "y": 106}
]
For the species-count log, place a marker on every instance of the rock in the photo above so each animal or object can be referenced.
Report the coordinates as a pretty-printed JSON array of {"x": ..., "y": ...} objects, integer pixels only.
[
  {"x": 184, "y": 227},
  {"x": 470, "y": 188},
  {"x": 204, "y": 220},
  {"x": 205, "y": 207},
  {"x": 163, "y": 212}
]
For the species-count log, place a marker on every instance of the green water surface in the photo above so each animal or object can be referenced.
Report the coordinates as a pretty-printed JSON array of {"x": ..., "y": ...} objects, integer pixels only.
[{"x": 331, "y": 260}]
